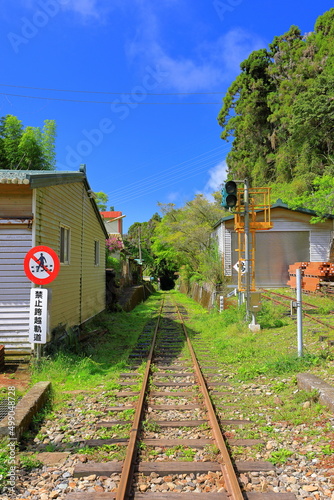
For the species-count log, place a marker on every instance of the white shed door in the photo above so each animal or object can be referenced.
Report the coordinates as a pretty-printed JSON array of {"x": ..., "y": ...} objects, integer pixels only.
[
  {"x": 15, "y": 242},
  {"x": 320, "y": 242}
]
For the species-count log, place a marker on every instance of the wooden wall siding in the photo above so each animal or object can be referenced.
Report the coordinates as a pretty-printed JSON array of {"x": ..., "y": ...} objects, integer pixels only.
[
  {"x": 15, "y": 242},
  {"x": 74, "y": 299},
  {"x": 15, "y": 200}
]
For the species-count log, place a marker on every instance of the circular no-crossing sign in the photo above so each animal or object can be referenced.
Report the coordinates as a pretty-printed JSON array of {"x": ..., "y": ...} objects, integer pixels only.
[{"x": 41, "y": 265}]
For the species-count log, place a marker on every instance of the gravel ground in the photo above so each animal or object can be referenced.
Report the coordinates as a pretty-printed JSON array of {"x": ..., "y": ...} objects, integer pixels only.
[
  {"x": 304, "y": 451},
  {"x": 307, "y": 471}
]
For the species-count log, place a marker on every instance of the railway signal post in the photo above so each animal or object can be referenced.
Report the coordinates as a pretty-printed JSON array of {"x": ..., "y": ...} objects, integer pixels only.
[{"x": 246, "y": 202}]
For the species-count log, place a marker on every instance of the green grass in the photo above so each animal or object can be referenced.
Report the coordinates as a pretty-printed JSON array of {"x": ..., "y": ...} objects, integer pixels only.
[
  {"x": 29, "y": 462},
  {"x": 102, "y": 363},
  {"x": 280, "y": 456},
  {"x": 265, "y": 358},
  {"x": 272, "y": 351},
  {"x": 4, "y": 462},
  {"x": 268, "y": 359},
  {"x": 104, "y": 453}
]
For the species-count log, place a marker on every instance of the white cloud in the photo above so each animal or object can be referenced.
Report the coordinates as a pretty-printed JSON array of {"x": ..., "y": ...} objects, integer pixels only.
[
  {"x": 217, "y": 175},
  {"x": 209, "y": 64},
  {"x": 186, "y": 74},
  {"x": 173, "y": 197},
  {"x": 85, "y": 8}
]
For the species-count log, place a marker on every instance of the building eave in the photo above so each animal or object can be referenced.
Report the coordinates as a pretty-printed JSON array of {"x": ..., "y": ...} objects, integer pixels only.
[
  {"x": 278, "y": 204},
  {"x": 42, "y": 178}
]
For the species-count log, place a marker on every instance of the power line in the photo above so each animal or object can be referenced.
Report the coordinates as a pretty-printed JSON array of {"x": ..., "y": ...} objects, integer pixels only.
[
  {"x": 168, "y": 173},
  {"x": 158, "y": 186},
  {"x": 156, "y": 182},
  {"x": 102, "y": 102},
  {"x": 107, "y": 92}
]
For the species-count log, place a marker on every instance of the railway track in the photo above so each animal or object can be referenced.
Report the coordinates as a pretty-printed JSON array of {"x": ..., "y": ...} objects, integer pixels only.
[{"x": 164, "y": 426}]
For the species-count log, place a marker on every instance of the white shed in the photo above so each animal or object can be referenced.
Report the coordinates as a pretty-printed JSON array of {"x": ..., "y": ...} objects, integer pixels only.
[{"x": 292, "y": 239}]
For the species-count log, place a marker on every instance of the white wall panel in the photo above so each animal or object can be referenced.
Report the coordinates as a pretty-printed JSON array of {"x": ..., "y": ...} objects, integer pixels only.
[{"x": 15, "y": 242}]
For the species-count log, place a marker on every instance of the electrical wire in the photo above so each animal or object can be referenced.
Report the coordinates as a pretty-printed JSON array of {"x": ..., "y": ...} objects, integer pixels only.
[
  {"x": 149, "y": 185},
  {"x": 102, "y": 102},
  {"x": 194, "y": 160},
  {"x": 107, "y": 92}
]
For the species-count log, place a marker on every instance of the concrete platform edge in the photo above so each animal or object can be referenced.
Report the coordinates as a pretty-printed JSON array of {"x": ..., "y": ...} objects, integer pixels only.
[
  {"x": 310, "y": 382},
  {"x": 26, "y": 408}
]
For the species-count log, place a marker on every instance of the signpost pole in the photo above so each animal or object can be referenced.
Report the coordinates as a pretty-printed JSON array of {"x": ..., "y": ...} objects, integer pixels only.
[
  {"x": 38, "y": 347},
  {"x": 41, "y": 266}
]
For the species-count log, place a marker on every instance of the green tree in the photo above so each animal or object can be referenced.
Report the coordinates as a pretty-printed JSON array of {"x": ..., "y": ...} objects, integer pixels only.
[
  {"x": 29, "y": 151},
  {"x": 101, "y": 200},
  {"x": 138, "y": 241},
  {"x": 320, "y": 198},
  {"x": 279, "y": 111},
  {"x": 27, "y": 148},
  {"x": 12, "y": 134},
  {"x": 182, "y": 239},
  {"x": 48, "y": 139}
]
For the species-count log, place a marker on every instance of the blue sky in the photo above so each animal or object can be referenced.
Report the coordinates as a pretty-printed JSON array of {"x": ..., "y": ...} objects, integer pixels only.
[{"x": 135, "y": 86}]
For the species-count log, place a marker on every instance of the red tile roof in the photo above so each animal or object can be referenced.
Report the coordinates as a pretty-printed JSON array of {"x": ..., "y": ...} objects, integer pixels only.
[{"x": 110, "y": 215}]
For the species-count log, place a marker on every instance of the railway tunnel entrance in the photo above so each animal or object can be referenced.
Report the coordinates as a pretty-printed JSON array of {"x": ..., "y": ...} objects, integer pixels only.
[{"x": 167, "y": 281}]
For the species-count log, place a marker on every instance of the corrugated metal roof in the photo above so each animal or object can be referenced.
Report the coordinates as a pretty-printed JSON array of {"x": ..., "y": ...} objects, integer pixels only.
[
  {"x": 279, "y": 204},
  {"x": 40, "y": 178},
  {"x": 45, "y": 178}
]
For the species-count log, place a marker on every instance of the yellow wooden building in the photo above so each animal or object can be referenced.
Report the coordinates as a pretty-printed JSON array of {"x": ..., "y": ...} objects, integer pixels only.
[{"x": 58, "y": 210}]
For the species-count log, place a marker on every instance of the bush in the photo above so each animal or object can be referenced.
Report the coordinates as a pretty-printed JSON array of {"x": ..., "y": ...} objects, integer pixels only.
[{"x": 113, "y": 263}]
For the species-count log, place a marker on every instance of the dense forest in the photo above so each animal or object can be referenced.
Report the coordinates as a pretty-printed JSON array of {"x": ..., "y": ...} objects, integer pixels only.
[{"x": 279, "y": 113}]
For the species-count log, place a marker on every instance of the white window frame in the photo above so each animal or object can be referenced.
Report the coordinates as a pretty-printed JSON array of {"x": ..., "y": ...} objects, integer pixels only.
[{"x": 64, "y": 244}]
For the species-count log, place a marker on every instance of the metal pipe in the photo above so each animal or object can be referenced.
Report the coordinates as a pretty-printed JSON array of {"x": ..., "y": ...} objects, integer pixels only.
[
  {"x": 247, "y": 247},
  {"x": 299, "y": 312}
]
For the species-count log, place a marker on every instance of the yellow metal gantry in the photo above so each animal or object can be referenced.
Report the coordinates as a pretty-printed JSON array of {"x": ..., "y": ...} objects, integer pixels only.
[{"x": 259, "y": 220}]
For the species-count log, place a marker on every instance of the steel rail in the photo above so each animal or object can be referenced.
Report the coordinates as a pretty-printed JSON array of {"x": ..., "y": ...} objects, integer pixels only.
[
  {"x": 316, "y": 320},
  {"x": 291, "y": 298},
  {"x": 128, "y": 465},
  {"x": 232, "y": 485}
]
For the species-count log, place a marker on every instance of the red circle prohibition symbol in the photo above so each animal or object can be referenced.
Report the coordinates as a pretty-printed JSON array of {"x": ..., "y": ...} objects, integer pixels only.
[{"x": 41, "y": 265}]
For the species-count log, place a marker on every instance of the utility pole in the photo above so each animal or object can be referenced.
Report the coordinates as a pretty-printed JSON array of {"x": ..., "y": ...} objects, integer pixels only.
[{"x": 139, "y": 245}]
